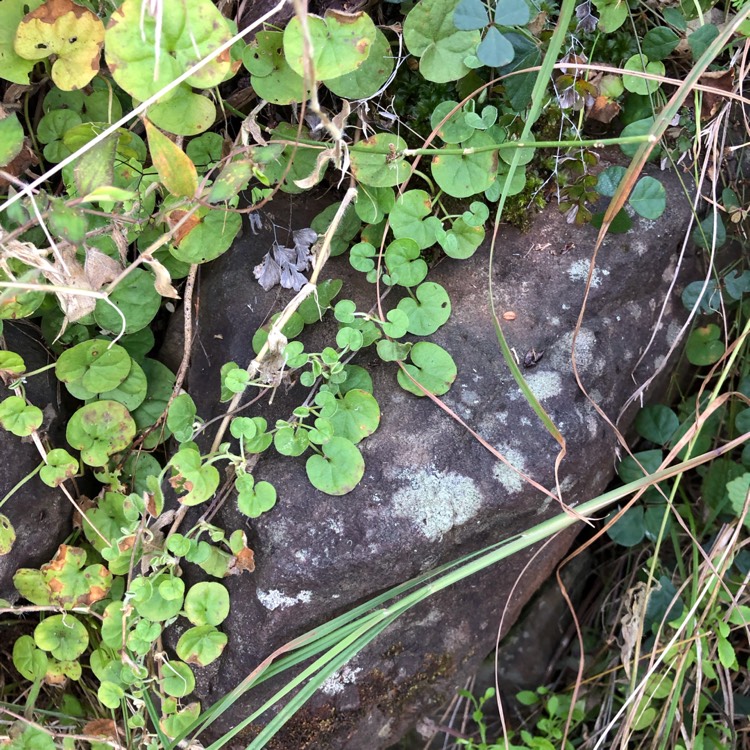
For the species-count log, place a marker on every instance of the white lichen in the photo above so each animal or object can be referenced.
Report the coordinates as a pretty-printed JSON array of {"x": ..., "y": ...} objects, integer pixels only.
[
  {"x": 579, "y": 271},
  {"x": 274, "y": 599},
  {"x": 436, "y": 501},
  {"x": 503, "y": 474},
  {"x": 336, "y": 683}
]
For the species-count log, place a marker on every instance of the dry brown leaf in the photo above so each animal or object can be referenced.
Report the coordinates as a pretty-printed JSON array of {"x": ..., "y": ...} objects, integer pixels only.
[
  {"x": 100, "y": 268},
  {"x": 603, "y": 110},
  {"x": 717, "y": 79},
  {"x": 101, "y": 728},
  {"x": 162, "y": 281}
]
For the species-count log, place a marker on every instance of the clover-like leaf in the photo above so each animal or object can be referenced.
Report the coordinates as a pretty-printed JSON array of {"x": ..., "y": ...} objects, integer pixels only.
[
  {"x": 395, "y": 326},
  {"x": 737, "y": 490},
  {"x": 135, "y": 297},
  {"x": 455, "y": 129},
  {"x": 704, "y": 345},
  {"x": 430, "y": 33},
  {"x": 201, "y": 645},
  {"x": 340, "y": 468},
  {"x": 462, "y": 240},
  {"x": 429, "y": 311},
  {"x": 408, "y": 218},
  {"x": 18, "y": 417},
  {"x": 406, "y": 267},
  {"x": 260, "y": 440},
  {"x": 378, "y": 161},
  {"x": 340, "y": 43},
  {"x": 495, "y": 50},
  {"x": 181, "y": 34},
  {"x": 291, "y": 441},
  {"x": 254, "y": 499},
  {"x": 207, "y": 603},
  {"x": 59, "y": 467},
  {"x": 64, "y": 636},
  {"x": 628, "y": 530},
  {"x": 469, "y": 173},
  {"x": 470, "y": 15},
  {"x": 357, "y": 416},
  {"x": 191, "y": 476},
  {"x": 512, "y": 12},
  {"x": 649, "y": 198},
  {"x": 369, "y": 77},
  {"x": 432, "y": 367},
  {"x": 638, "y": 85},
  {"x": 100, "y": 429},
  {"x": 177, "y": 679},
  {"x": 93, "y": 367},
  {"x": 525, "y": 151},
  {"x": 69, "y": 32},
  {"x": 270, "y": 75},
  {"x": 149, "y": 599}
]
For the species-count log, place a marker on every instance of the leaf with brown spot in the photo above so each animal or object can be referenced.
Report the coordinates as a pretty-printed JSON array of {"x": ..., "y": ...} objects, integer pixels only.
[
  {"x": 68, "y": 31},
  {"x": 64, "y": 581},
  {"x": 174, "y": 218}
]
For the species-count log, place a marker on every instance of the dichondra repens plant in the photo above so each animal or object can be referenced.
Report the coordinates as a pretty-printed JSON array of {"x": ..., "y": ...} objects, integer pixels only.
[{"x": 124, "y": 111}]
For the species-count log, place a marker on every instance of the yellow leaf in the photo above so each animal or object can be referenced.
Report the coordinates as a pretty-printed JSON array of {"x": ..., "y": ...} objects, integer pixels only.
[
  {"x": 73, "y": 34},
  {"x": 176, "y": 172}
]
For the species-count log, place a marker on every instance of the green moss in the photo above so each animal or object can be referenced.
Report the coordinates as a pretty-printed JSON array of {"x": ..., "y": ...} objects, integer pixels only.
[{"x": 520, "y": 209}]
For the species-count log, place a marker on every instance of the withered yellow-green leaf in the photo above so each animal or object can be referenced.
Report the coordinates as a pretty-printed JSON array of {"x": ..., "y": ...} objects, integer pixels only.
[
  {"x": 70, "y": 32},
  {"x": 176, "y": 171}
]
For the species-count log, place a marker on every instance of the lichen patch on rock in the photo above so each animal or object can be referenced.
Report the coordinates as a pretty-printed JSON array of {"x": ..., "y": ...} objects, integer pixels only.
[{"x": 436, "y": 501}]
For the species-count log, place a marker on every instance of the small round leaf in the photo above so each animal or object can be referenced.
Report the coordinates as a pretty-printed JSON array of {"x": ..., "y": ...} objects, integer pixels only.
[
  {"x": 338, "y": 470},
  {"x": 201, "y": 645},
  {"x": 432, "y": 368},
  {"x": 207, "y": 603},
  {"x": 64, "y": 636}
]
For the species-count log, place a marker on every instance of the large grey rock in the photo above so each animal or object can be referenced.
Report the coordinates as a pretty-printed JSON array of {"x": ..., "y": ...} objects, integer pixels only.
[
  {"x": 41, "y": 516},
  {"x": 431, "y": 493}
]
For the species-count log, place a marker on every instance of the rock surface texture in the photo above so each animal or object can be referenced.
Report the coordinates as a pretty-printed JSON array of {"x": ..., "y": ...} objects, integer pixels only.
[
  {"x": 431, "y": 492},
  {"x": 41, "y": 516}
]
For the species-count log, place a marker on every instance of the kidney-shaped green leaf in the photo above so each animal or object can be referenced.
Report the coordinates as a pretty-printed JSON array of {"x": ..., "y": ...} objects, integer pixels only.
[
  {"x": 431, "y": 366},
  {"x": 338, "y": 470}
]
